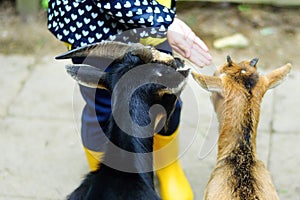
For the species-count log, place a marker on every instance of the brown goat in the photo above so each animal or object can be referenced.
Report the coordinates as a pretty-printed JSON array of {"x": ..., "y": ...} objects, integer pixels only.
[{"x": 237, "y": 92}]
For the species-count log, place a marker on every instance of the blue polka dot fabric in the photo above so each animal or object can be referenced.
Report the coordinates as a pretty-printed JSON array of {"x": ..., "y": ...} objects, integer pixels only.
[{"x": 82, "y": 22}]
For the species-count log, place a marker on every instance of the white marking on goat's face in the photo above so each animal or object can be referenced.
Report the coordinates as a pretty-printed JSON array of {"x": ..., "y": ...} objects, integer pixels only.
[
  {"x": 176, "y": 91},
  {"x": 222, "y": 75},
  {"x": 179, "y": 88},
  {"x": 158, "y": 73},
  {"x": 243, "y": 71}
]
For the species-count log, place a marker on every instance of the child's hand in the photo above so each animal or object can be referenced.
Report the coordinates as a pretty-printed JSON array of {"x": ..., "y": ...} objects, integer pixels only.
[{"x": 183, "y": 40}]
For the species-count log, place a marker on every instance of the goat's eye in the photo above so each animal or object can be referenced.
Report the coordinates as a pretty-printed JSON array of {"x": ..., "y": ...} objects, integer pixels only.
[{"x": 243, "y": 71}]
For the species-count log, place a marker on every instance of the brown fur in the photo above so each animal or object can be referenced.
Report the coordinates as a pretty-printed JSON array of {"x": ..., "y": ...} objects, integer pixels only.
[{"x": 237, "y": 92}]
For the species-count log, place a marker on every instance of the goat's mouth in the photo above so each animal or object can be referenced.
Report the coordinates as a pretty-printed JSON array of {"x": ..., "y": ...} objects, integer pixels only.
[
  {"x": 176, "y": 83},
  {"x": 177, "y": 90}
]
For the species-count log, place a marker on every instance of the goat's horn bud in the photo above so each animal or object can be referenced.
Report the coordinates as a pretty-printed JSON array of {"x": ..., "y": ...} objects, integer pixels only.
[
  {"x": 253, "y": 62},
  {"x": 229, "y": 61}
]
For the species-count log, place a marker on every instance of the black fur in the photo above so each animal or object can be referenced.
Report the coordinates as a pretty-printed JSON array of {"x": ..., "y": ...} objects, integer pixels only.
[
  {"x": 111, "y": 184},
  {"x": 242, "y": 161},
  {"x": 250, "y": 81},
  {"x": 108, "y": 183},
  {"x": 247, "y": 128}
]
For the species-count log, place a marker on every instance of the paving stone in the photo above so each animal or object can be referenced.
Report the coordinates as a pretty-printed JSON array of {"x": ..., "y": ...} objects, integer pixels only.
[
  {"x": 196, "y": 166},
  {"x": 13, "y": 72},
  {"x": 48, "y": 93},
  {"x": 41, "y": 158},
  {"x": 12, "y": 197},
  {"x": 284, "y": 164},
  {"x": 287, "y": 111},
  {"x": 263, "y": 146},
  {"x": 266, "y": 112},
  {"x": 77, "y": 106}
]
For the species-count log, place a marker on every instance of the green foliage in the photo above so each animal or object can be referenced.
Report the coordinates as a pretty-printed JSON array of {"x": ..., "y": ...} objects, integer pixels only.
[
  {"x": 44, "y": 4},
  {"x": 244, "y": 7}
]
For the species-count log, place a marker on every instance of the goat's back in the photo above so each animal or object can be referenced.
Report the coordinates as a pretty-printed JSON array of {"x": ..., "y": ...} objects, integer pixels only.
[
  {"x": 110, "y": 184},
  {"x": 223, "y": 184}
]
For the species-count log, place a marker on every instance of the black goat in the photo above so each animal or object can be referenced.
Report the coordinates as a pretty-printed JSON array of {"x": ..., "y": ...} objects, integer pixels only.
[{"x": 126, "y": 171}]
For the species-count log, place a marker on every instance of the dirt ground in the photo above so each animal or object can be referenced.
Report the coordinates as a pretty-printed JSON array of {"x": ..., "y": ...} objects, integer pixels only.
[{"x": 274, "y": 33}]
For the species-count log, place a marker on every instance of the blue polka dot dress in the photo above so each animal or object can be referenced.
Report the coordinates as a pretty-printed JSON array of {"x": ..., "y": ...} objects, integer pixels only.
[{"x": 82, "y": 22}]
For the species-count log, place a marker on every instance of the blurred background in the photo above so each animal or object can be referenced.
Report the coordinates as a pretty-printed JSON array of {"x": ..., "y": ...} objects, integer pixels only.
[{"x": 268, "y": 29}]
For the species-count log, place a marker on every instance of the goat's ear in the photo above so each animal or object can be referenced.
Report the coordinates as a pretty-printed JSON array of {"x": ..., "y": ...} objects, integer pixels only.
[
  {"x": 277, "y": 76},
  {"x": 88, "y": 76},
  {"x": 209, "y": 83}
]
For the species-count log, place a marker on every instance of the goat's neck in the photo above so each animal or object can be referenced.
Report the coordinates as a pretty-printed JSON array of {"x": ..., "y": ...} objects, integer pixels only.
[
  {"x": 133, "y": 154},
  {"x": 238, "y": 124}
]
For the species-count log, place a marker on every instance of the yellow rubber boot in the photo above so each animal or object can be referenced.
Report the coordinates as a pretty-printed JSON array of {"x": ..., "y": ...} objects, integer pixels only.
[
  {"x": 173, "y": 183},
  {"x": 94, "y": 158}
]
